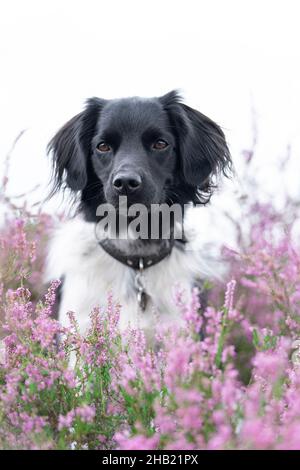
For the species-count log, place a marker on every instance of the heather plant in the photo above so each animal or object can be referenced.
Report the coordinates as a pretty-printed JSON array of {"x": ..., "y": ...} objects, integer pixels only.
[
  {"x": 120, "y": 392},
  {"x": 228, "y": 379},
  {"x": 45, "y": 403}
]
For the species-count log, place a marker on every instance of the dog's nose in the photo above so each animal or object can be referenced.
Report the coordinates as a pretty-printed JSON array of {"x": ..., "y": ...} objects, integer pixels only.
[{"x": 125, "y": 183}]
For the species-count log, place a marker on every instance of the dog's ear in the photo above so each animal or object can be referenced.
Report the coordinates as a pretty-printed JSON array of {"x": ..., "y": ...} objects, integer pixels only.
[
  {"x": 70, "y": 147},
  {"x": 201, "y": 142}
]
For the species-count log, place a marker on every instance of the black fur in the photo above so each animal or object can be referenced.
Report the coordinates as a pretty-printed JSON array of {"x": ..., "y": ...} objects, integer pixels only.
[{"x": 183, "y": 172}]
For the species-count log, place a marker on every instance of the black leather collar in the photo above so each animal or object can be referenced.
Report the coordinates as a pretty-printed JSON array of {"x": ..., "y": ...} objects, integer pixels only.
[{"x": 138, "y": 262}]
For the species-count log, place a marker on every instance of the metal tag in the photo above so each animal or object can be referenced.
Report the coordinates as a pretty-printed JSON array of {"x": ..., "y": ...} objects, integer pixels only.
[
  {"x": 141, "y": 295},
  {"x": 142, "y": 299}
]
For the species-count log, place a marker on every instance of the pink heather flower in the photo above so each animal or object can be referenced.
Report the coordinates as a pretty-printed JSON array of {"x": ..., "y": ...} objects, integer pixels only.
[
  {"x": 221, "y": 439},
  {"x": 45, "y": 330},
  {"x": 50, "y": 296},
  {"x": 177, "y": 363},
  {"x": 219, "y": 417},
  {"x": 34, "y": 374},
  {"x": 65, "y": 421},
  {"x": 290, "y": 437},
  {"x": 256, "y": 435},
  {"x": 138, "y": 442},
  {"x": 180, "y": 442},
  {"x": 50, "y": 379},
  {"x": 190, "y": 418},
  {"x": 165, "y": 423},
  {"x": 32, "y": 424},
  {"x": 69, "y": 377},
  {"x": 10, "y": 393},
  {"x": 86, "y": 413},
  {"x": 191, "y": 312},
  {"x": 271, "y": 364},
  {"x": 229, "y": 295}
]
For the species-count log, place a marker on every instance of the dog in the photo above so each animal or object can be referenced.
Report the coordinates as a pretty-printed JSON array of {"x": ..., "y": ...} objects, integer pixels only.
[{"x": 149, "y": 151}]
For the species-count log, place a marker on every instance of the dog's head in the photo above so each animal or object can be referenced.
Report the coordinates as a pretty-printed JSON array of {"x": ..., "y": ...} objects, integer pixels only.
[{"x": 156, "y": 150}]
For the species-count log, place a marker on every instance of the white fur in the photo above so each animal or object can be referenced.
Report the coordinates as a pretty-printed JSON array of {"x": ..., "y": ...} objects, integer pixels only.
[{"x": 89, "y": 273}]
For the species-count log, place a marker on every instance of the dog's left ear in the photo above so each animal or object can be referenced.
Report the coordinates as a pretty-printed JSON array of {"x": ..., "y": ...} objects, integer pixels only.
[{"x": 202, "y": 145}]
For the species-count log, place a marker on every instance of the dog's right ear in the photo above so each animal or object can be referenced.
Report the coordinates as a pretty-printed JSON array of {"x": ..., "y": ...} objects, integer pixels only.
[{"x": 70, "y": 147}]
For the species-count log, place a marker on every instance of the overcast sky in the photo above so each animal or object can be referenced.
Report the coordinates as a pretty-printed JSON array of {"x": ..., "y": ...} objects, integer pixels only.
[{"x": 229, "y": 57}]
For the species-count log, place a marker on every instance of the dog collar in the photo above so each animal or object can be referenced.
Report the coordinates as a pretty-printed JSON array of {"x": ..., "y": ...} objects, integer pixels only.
[
  {"x": 136, "y": 261},
  {"x": 139, "y": 264}
]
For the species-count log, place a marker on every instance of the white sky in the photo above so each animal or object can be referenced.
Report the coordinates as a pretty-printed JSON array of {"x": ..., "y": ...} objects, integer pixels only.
[{"x": 227, "y": 56}]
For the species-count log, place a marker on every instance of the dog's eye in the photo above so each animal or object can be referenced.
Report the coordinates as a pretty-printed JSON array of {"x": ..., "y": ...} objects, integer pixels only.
[
  {"x": 160, "y": 144},
  {"x": 103, "y": 147}
]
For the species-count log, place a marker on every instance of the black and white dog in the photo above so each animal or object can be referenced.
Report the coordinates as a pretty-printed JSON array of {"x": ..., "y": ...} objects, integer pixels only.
[{"x": 153, "y": 151}]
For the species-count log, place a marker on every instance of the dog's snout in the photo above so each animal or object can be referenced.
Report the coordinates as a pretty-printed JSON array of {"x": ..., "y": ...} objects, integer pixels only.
[{"x": 127, "y": 182}]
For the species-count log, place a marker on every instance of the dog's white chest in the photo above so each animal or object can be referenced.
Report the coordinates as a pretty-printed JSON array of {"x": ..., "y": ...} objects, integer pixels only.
[{"x": 90, "y": 273}]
